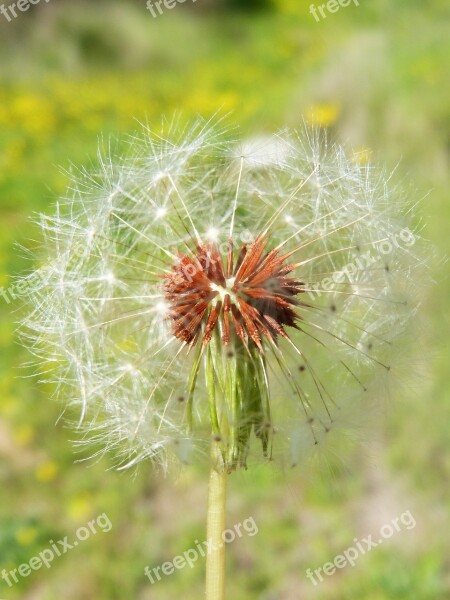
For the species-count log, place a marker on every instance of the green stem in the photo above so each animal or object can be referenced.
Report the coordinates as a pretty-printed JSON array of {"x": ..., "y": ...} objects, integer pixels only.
[
  {"x": 191, "y": 385},
  {"x": 211, "y": 385},
  {"x": 215, "y": 560}
]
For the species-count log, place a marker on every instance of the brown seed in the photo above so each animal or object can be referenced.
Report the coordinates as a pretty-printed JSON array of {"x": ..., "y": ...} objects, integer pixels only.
[{"x": 258, "y": 301}]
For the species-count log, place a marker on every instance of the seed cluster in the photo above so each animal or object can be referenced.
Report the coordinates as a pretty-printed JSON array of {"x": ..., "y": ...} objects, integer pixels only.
[
  {"x": 252, "y": 295},
  {"x": 162, "y": 322}
]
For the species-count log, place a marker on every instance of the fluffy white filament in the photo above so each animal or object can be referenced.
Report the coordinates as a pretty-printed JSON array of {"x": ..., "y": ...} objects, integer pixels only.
[{"x": 98, "y": 318}]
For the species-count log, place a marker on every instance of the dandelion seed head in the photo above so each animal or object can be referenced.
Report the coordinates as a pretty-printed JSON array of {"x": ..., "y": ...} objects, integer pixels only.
[{"x": 280, "y": 263}]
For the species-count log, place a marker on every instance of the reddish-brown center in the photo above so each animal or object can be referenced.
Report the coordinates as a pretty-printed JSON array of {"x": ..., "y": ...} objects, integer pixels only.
[{"x": 252, "y": 295}]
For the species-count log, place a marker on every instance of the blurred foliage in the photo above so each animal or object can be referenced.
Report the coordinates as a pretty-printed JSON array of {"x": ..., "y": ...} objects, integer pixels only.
[
  {"x": 250, "y": 5},
  {"x": 375, "y": 76}
]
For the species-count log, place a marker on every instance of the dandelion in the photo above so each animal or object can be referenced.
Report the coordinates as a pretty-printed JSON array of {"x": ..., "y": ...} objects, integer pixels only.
[{"x": 202, "y": 295}]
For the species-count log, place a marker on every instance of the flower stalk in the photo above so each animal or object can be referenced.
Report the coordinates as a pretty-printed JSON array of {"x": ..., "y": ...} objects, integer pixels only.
[
  {"x": 238, "y": 399},
  {"x": 204, "y": 292},
  {"x": 235, "y": 381},
  {"x": 215, "y": 560}
]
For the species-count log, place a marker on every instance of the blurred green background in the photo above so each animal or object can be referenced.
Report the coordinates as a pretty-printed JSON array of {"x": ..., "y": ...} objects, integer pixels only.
[{"x": 375, "y": 76}]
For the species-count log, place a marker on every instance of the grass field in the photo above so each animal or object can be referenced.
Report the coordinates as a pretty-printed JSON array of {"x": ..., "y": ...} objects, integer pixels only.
[{"x": 375, "y": 76}]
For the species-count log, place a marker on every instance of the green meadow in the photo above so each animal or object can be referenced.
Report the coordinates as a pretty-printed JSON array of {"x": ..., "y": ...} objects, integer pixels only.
[{"x": 375, "y": 76}]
